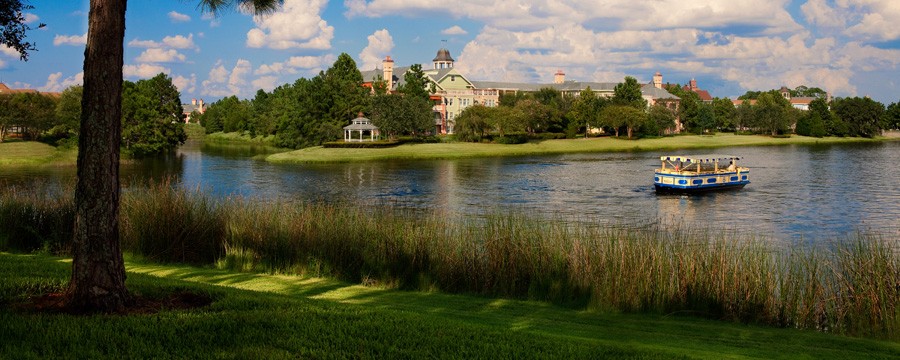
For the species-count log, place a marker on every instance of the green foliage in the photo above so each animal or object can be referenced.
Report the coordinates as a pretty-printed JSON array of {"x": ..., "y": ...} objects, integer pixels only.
[
  {"x": 533, "y": 115},
  {"x": 229, "y": 114},
  {"x": 474, "y": 123},
  {"x": 804, "y": 91},
  {"x": 14, "y": 25},
  {"x": 585, "y": 110},
  {"x": 892, "y": 116},
  {"x": 397, "y": 114},
  {"x": 152, "y": 116},
  {"x": 862, "y": 116},
  {"x": 510, "y": 99},
  {"x": 662, "y": 118},
  {"x": 773, "y": 113},
  {"x": 628, "y": 93},
  {"x": 33, "y": 112},
  {"x": 689, "y": 110},
  {"x": 416, "y": 83},
  {"x": 615, "y": 117},
  {"x": 725, "y": 113},
  {"x": 68, "y": 111},
  {"x": 706, "y": 120},
  {"x": 810, "y": 124}
]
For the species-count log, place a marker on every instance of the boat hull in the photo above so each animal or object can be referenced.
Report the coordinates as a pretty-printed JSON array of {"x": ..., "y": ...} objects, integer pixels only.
[{"x": 682, "y": 182}]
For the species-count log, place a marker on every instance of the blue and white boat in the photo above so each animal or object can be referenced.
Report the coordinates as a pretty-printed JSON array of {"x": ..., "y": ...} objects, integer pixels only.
[{"x": 699, "y": 173}]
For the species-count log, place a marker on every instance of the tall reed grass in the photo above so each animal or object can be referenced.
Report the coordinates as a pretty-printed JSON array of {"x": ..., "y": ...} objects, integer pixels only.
[{"x": 850, "y": 286}]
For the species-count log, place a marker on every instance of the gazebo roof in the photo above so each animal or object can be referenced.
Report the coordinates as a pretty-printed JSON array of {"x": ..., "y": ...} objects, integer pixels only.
[
  {"x": 359, "y": 126},
  {"x": 361, "y": 123}
]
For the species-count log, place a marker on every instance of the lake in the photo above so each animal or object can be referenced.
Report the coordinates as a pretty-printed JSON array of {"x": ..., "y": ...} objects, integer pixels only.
[{"x": 796, "y": 194}]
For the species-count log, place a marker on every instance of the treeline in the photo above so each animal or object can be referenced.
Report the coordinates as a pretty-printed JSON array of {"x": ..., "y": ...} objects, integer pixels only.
[
  {"x": 313, "y": 111},
  {"x": 152, "y": 116},
  {"x": 771, "y": 113}
]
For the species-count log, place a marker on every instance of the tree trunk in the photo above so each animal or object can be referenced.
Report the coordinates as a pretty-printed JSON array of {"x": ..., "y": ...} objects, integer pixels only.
[{"x": 98, "y": 270}]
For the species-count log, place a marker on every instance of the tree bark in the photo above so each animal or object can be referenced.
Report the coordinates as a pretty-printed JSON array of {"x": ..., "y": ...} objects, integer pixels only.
[{"x": 98, "y": 269}]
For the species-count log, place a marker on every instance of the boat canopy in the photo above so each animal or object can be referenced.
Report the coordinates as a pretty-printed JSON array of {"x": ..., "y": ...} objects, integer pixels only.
[{"x": 699, "y": 158}]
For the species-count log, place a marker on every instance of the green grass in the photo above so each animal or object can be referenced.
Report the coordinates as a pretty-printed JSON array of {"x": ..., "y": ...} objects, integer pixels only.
[
  {"x": 35, "y": 153},
  {"x": 846, "y": 287},
  {"x": 194, "y": 131},
  {"x": 469, "y": 150},
  {"x": 239, "y": 138},
  {"x": 278, "y": 316}
]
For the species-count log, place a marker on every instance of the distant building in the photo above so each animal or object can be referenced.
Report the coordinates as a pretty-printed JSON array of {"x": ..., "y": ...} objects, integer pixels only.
[
  {"x": 454, "y": 92},
  {"x": 704, "y": 95},
  {"x": 189, "y": 109}
]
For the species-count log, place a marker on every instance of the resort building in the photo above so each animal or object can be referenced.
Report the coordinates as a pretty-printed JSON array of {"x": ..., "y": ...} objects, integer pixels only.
[
  {"x": 704, "y": 95},
  {"x": 189, "y": 109},
  {"x": 453, "y": 92}
]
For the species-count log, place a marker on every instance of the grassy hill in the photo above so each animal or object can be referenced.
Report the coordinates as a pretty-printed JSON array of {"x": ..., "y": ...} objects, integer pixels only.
[{"x": 276, "y": 316}]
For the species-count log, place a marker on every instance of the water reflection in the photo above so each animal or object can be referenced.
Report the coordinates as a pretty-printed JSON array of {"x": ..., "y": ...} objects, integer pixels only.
[{"x": 797, "y": 192}]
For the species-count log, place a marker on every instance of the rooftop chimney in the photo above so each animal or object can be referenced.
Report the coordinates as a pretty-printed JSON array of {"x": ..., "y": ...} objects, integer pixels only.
[
  {"x": 388, "y": 65},
  {"x": 559, "y": 77}
]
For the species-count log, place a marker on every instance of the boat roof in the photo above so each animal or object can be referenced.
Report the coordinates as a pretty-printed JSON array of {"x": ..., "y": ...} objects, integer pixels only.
[{"x": 699, "y": 158}]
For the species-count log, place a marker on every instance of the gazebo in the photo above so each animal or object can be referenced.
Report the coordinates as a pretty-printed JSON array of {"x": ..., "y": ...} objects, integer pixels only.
[{"x": 362, "y": 126}]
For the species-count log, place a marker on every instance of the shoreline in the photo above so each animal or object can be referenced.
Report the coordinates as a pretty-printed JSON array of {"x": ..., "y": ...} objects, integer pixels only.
[{"x": 462, "y": 150}]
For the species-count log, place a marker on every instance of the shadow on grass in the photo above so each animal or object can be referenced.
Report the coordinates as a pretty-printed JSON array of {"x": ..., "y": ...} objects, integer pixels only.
[{"x": 261, "y": 315}]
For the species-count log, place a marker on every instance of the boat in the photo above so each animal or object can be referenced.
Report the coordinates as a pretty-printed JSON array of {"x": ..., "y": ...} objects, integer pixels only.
[{"x": 699, "y": 173}]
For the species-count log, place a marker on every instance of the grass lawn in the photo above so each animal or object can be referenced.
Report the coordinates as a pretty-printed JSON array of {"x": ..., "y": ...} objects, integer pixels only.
[
  {"x": 606, "y": 144},
  {"x": 274, "y": 316},
  {"x": 35, "y": 153}
]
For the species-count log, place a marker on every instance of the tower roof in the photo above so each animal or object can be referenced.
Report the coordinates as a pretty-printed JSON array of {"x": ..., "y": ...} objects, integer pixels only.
[{"x": 443, "y": 55}]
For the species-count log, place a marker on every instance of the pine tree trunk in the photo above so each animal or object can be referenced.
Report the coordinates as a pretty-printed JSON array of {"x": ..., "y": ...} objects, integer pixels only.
[{"x": 98, "y": 270}]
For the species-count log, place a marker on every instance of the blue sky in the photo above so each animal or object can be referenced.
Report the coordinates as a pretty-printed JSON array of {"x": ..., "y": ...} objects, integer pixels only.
[{"x": 847, "y": 47}]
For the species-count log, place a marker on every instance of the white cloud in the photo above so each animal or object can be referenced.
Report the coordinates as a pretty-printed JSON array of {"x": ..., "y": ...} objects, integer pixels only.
[
  {"x": 75, "y": 40},
  {"x": 31, "y": 18},
  {"x": 222, "y": 82},
  {"x": 751, "y": 62},
  {"x": 817, "y": 12},
  {"x": 454, "y": 30},
  {"x": 380, "y": 45},
  {"x": 8, "y": 51},
  {"x": 174, "y": 42},
  {"x": 179, "y": 41},
  {"x": 266, "y": 83},
  {"x": 177, "y": 17},
  {"x": 184, "y": 84},
  {"x": 143, "y": 71},
  {"x": 56, "y": 83},
  {"x": 157, "y": 55},
  {"x": 770, "y": 15},
  {"x": 295, "y": 64},
  {"x": 297, "y": 25}
]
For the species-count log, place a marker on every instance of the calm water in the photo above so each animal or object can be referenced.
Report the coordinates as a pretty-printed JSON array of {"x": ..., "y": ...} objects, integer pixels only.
[{"x": 797, "y": 193}]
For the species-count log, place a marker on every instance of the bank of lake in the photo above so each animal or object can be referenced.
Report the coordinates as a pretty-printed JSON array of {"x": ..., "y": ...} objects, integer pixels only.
[
  {"x": 460, "y": 150},
  {"x": 36, "y": 153},
  {"x": 30, "y": 153}
]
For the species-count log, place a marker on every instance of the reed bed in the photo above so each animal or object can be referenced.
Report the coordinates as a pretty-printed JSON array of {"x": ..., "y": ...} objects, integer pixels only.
[{"x": 851, "y": 286}]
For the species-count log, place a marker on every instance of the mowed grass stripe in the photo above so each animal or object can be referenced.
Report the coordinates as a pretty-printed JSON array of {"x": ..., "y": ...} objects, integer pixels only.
[{"x": 275, "y": 316}]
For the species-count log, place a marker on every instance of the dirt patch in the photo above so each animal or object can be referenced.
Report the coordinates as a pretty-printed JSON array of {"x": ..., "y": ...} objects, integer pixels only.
[{"x": 138, "y": 305}]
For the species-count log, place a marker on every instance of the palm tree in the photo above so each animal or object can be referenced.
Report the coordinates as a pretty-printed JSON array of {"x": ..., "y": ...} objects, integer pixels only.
[{"x": 98, "y": 270}]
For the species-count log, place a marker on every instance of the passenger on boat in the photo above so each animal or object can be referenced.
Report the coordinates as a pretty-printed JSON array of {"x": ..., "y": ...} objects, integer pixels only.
[{"x": 731, "y": 166}]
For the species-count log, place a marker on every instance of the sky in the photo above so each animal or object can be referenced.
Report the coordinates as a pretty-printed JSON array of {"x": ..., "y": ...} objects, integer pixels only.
[{"x": 847, "y": 47}]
